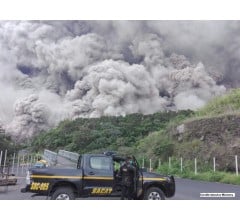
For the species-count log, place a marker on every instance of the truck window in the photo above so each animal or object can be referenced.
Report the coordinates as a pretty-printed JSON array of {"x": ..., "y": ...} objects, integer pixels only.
[{"x": 101, "y": 163}]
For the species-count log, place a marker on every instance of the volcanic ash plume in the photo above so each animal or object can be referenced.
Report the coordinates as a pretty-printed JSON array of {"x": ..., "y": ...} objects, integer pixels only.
[
  {"x": 115, "y": 88},
  {"x": 31, "y": 117},
  {"x": 54, "y": 70},
  {"x": 187, "y": 86}
]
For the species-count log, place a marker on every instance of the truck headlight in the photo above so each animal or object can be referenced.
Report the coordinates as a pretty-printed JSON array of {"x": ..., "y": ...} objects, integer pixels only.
[{"x": 28, "y": 178}]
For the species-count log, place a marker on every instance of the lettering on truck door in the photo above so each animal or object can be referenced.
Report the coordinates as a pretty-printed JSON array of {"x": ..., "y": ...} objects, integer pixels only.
[{"x": 98, "y": 175}]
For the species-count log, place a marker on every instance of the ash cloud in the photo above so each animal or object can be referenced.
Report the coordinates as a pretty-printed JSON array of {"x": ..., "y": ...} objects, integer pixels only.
[
  {"x": 115, "y": 88},
  {"x": 52, "y": 70},
  {"x": 30, "y": 117}
]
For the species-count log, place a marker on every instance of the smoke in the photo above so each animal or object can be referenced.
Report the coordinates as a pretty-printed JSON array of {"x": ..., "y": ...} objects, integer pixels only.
[
  {"x": 31, "y": 116},
  {"x": 52, "y": 70},
  {"x": 115, "y": 88}
]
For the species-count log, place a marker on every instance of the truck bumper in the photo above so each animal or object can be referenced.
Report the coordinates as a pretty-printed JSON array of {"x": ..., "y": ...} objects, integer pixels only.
[{"x": 171, "y": 187}]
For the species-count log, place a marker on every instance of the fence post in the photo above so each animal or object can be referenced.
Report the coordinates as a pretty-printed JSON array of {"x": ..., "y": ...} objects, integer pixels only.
[
  {"x": 18, "y": 164},
  {"x": 143, "y": 163},
  {"x": 214, "y": 164},
  {"x": 159, "y": 163},
  {"x": 236, "y": 162},
  {"x": 195, "y": 165},
  {"x": 22, "y": 163},
  {"x": 1, "y": 158},
  {"x": 181, "y": 164},
  {"x": 169, "y": 163},
  {"x": 28, "y": 161},
  {"x": 5, "y": 159},
  {"x": 13, "y": 163},
  {"x": 150, "y": 165},
  {"x": 31, "y": 162}
]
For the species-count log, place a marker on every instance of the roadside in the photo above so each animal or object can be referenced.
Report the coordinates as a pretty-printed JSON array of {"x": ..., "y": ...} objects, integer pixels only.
[{"x": 206, "y": 174}]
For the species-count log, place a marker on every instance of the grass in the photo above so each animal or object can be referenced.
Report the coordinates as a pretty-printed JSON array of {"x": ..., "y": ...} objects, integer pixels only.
[
  {"x": 210, "y": 176},
  {"x": 218, "y": 176},
  {"x": 228, "y": 103}
]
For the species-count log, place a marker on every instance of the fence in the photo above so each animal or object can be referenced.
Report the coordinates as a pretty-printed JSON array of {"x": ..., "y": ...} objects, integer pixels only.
[
  {"x": 17, "y": 163},
  {"x": 195, "y": 165},
  {"x": 20, "y": 163}
]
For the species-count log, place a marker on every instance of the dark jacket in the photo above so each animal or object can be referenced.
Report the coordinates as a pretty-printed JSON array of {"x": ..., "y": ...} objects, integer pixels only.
[{"x": 127, "y": 173}]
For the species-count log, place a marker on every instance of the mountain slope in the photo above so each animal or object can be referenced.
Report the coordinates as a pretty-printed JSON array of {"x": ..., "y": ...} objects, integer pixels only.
[
  {"x": 213, "y": 131},
  {"x": 112, "y": 133}
]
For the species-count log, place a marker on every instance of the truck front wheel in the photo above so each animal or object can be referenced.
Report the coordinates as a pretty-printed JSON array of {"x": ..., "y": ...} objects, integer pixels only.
[
  {"x": 63, "y": 193},
  {"x": 154, "y": 193}
]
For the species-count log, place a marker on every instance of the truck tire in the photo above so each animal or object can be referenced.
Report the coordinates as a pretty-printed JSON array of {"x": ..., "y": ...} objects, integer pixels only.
[
  {"x": 63, "y": 193},
  {"x": 154, "y": 193}
]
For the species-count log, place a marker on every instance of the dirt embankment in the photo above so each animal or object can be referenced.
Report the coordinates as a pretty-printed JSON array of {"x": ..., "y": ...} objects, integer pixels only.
[{"x": 206, "y": 138}]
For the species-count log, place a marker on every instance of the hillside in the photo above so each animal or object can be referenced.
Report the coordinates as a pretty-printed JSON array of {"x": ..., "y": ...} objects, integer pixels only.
[
  {"x": 227, "y": 104},
  {"x": 105, "y": 133},
  {"x": 213, "y": 131}
]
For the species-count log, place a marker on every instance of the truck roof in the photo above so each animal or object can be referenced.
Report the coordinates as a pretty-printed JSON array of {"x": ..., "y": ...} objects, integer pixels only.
[{"x": 114, "y": 156}]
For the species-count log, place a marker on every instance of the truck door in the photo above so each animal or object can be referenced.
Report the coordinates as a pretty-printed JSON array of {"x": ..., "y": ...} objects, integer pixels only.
[
  {"x": 98, "y": 175},
  {"x": 138, "y": 187}
]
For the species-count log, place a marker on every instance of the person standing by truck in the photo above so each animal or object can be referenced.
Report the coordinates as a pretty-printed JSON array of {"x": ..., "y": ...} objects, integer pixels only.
[{"x": 127, "y": 174}]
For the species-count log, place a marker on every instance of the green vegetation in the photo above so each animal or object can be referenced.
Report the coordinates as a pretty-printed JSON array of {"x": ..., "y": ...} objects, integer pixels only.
[
  {"x": 152, "y": 135},
  {"x": 226, "y": 104},
  {"x": 222, "y": 177},
  {"x": 155, "y": 145},
  {"x": 210, "y": 175},
  {"x": 210, "y": 131},
  {"x": 7, "y": 144},
  {"x": 113, "y": 133}
]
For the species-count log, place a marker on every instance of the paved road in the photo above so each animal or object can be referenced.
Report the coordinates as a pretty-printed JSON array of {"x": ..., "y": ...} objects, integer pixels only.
[
  {"x": 190, "y": 189},
  {"x": 185, "y": 189}
]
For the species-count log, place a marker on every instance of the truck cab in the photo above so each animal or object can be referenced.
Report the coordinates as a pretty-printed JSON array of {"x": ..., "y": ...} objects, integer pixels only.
[{"x": 96, "y": 175}]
